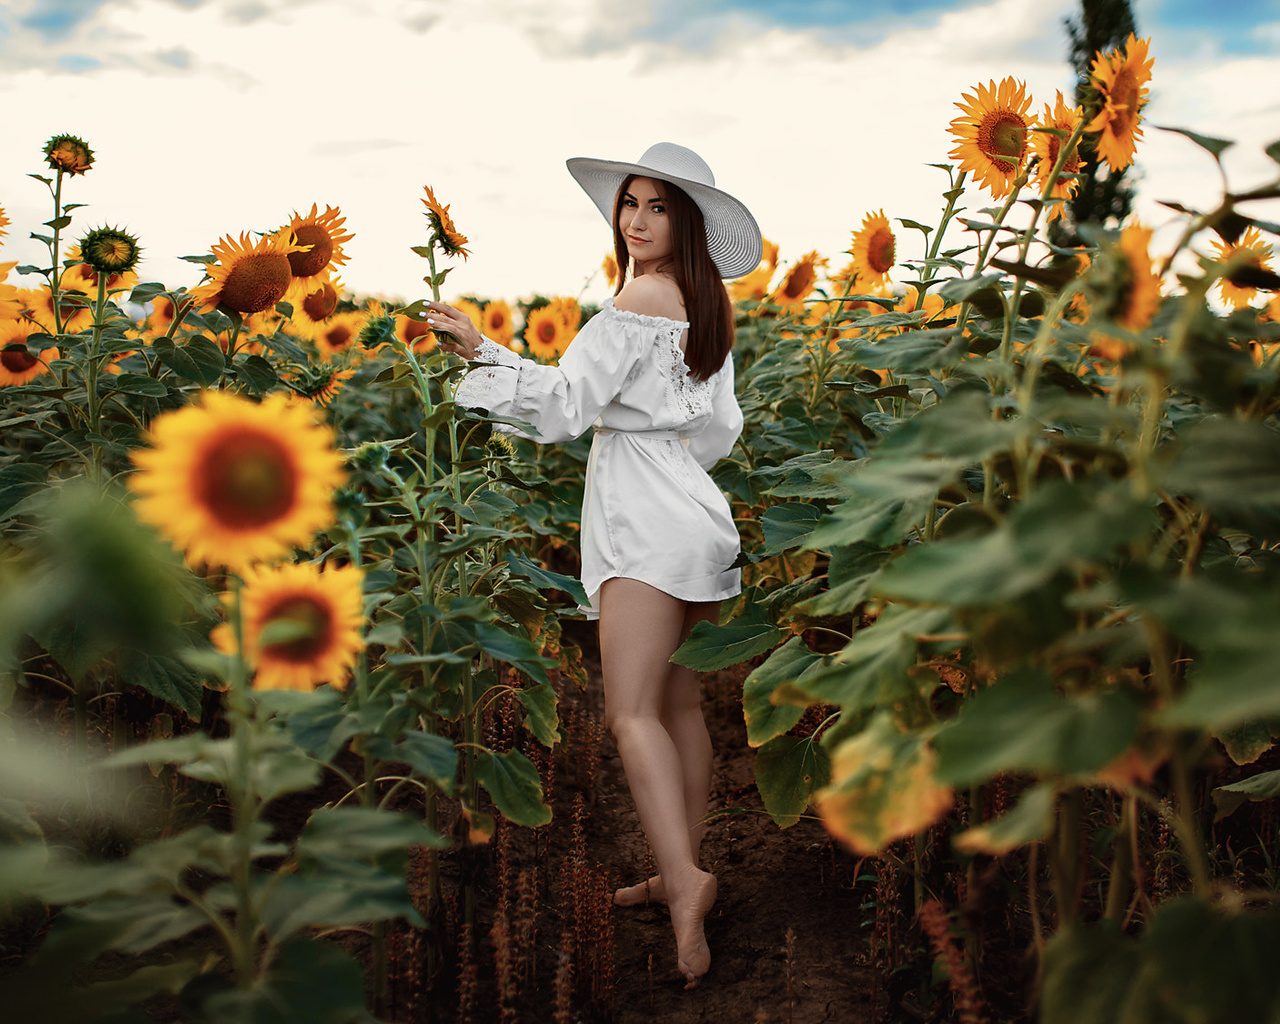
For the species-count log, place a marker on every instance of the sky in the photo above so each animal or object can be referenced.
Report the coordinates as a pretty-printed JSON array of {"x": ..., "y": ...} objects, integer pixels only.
[{"x": 216, "y": 117}]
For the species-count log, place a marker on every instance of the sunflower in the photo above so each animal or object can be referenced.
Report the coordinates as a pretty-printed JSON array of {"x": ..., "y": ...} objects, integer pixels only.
[
  {"x": 4, "y": 223},
  {"x": 68, "y": 153},
  {"x": 753, "y": 287},
  {"x": 545, "y": 334},
  {"x": 569, "y": 311},
  {"x": 320, "y": 384},
  {"x": 232, "y": 482},
  {"x": 443, "y": 231},
  {"x": 1124, "y": 289},
  {"x": 323, "y": 233},
  {"x": 317, "y": 615},
  {"x": 1061, "y": 122},
  {"x": 498, "y": 325},
  {"x": 339, "y": 332},
  {"x": 1251, "y": 252},
  {"x": 73, "y": 307},
  {"x": 19, "y": 364},
  {"x": 610, "y": 268},
  {"x": 248, "y": 277},
  {"x": 10, "y": 296},
  {"x": 415, "y": 334},
  {"x": 313, "y": 311},
  {"x": 933, "y": 306},
  {"x": 1120, "y": 80},
  {"x": 993, "y": 134},
  {"x": 873, "y": 250},
  {"x": 799, "y": 282}
]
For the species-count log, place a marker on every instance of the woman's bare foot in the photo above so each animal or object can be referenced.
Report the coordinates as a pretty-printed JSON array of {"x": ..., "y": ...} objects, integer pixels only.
[
  {"x": 689, "y": 908},
  {"x": 651, "y": 891}
]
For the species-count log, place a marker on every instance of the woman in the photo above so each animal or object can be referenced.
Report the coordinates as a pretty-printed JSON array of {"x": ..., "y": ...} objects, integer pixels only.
[{"x": 653, "y": 373}]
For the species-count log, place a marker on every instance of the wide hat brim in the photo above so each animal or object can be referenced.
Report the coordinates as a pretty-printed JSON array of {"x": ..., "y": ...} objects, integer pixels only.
[{"x": 733, "y": 237}]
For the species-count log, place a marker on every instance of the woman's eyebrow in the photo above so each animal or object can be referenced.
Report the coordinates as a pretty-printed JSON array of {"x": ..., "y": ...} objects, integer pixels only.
[{"x": 655, "y": 199}]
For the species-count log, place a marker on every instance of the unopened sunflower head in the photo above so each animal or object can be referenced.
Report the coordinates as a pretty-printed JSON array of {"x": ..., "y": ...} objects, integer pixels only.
[
  {"x": 444, "y": 233},
  {"x": 110, "y": 251},
  {"x": 69, "y": 154},
  {"x": 378, "y": 330}
]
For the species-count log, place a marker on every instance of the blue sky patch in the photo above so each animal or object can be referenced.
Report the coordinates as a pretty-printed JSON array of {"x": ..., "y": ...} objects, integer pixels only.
[
  {"x": 56, "y": 19},
  {"x": 77, "y": 62}
]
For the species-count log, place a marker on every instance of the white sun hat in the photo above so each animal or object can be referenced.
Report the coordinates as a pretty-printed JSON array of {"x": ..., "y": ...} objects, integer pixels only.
[{"x": 733, "y": 237}]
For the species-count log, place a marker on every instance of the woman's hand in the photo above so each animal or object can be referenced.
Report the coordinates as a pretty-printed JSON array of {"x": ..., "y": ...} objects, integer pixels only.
[{"x": 454, "y": 330}]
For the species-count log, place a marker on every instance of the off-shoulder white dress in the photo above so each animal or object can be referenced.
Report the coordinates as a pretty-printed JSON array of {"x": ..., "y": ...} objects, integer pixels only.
[{"x": 650, "y": 511}]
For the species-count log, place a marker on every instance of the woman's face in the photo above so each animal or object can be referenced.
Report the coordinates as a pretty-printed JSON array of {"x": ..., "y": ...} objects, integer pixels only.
[{"x": 644, "y": 222}]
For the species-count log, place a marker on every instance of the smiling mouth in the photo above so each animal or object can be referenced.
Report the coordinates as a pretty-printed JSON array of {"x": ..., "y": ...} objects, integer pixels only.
[{"x": 638, "y": 241}]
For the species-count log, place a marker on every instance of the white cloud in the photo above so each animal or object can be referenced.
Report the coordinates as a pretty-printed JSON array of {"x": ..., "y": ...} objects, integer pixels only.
[{"x": 359, "y": 106}]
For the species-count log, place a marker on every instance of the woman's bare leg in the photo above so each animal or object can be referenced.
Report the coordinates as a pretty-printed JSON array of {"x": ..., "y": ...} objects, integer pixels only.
[
  {"x": 640, "y": 627},
  {"x": 682, "y": 717}
]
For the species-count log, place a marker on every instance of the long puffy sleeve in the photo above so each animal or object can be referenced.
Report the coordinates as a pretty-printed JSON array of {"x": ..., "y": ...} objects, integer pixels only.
[
  {"x": 717, "y": 439},
  {"x": 560, "y": 402}
]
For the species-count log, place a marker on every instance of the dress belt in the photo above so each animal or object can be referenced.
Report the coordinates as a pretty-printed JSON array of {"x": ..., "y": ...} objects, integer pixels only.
[{"x": 644, "y": 435}]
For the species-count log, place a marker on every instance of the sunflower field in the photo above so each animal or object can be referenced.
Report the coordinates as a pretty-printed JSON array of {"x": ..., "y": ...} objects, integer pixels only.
[{"x": 1010, "y": 512}]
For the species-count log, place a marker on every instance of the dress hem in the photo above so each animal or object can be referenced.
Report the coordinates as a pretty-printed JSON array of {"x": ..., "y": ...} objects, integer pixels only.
[{"x": 593, "y": 613}]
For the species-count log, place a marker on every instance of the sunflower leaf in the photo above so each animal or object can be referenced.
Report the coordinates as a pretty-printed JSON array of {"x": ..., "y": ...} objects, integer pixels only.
[
  {"x": 515, "y": 786},
  {"x": 915, "y": 224},
  {"x": 1208, "y": 142}
]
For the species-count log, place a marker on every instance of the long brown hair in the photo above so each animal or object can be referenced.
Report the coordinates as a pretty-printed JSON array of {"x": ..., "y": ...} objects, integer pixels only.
[{"x": 705, "y": 298}]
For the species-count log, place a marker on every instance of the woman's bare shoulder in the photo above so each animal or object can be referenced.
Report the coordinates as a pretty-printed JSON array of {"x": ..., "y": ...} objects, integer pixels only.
[{"x": 651, "y": 295}]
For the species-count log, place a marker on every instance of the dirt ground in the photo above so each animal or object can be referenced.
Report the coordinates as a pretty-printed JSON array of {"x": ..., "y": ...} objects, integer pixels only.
[{"x": 789, "y": 933}]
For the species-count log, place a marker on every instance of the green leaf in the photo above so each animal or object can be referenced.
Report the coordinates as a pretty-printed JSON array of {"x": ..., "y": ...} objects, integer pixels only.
[
  {"x": 1263, "y": 786},
  {"x": 1227, "y": 463},
  {"x": 199, "y": 360},
  {"x": 850, "y": 571},
  {"x": 1207, "y": 142},
  {"x": 57, "y": 996},
  {"x": 256, "y": 372},
  {"x": 351, "y": 834},
  {"x": 765, "y": 720},
  {"x": 309, "y": 982},
  {"x": 1088, "y": 973},
  {"x": 873, "y": 668},
  {"x": 164, "y": 677},
  {"x": 513, "y": 783},
  {"x": 1020, "y": 723},
  {"x": 515, "y": 650},
  {"x": 1030, "y": 821},
  {"x": 789, "y": 770},
  {"x": 544, "y": 579},
  {"x": 135, "y": 384},
  {"x": 711, "y": 646},
  {"x": 431, "y": 756},
  {"x": 787, "y": 525},
  {"x": 540, "y": 715}
]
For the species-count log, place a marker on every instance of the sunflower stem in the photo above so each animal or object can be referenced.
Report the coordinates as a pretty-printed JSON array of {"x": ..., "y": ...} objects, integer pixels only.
[
  {"x": 91, "y": 378},
  {"x": 240, "y": 792},
  {"x": 55, "y": 283}
]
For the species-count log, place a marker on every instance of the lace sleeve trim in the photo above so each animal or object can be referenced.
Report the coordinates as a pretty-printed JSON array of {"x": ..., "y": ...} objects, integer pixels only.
[{"x": 483, "y": 383}]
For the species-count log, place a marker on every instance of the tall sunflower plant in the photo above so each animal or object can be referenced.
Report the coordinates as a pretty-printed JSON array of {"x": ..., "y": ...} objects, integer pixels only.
[{"x": 1040, "y": 548}]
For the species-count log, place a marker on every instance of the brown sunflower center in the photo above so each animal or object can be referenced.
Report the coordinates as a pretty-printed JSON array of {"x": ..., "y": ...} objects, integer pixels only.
[
  {"x": 339, "y": 336},
  {"x": 16, "y": 358},
  {"x": 256, "y": 282},
  {"x": 320, "y": 304},
  {"x": 547, "y": 332},
  {"x": 495, "y": 321},
  {"x": 1002, "y": 134},
  {"x": 315, "y": 259},
  {"x": 314, "y": 620},
  {"x": 798, "y": 282},
  {"x": 880, "y": 251},
  {"x": 1123, "y": 97},
  {"x": 247, "y": 479},
  {"x": 415, "y": 329}
]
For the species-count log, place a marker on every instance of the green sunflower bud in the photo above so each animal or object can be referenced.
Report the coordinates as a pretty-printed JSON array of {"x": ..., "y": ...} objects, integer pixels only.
[
  {"x": 110, "y": 250},
  {"x": 68, "y": 153}
]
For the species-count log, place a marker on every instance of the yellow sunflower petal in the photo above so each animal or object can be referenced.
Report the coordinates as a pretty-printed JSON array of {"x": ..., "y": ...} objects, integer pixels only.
[
  {"x": 233, "y": 483},
  {"x": 248, "y": 277},
  {"x": 1048, "y": 146},
  {"x": 1120, "y": 79},
  {"x": 1250, "y": 251},
  {"x": 873, "y": 250},
  {"x": 325, "y": 609},
  {"x": 993, "y": 134}
]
